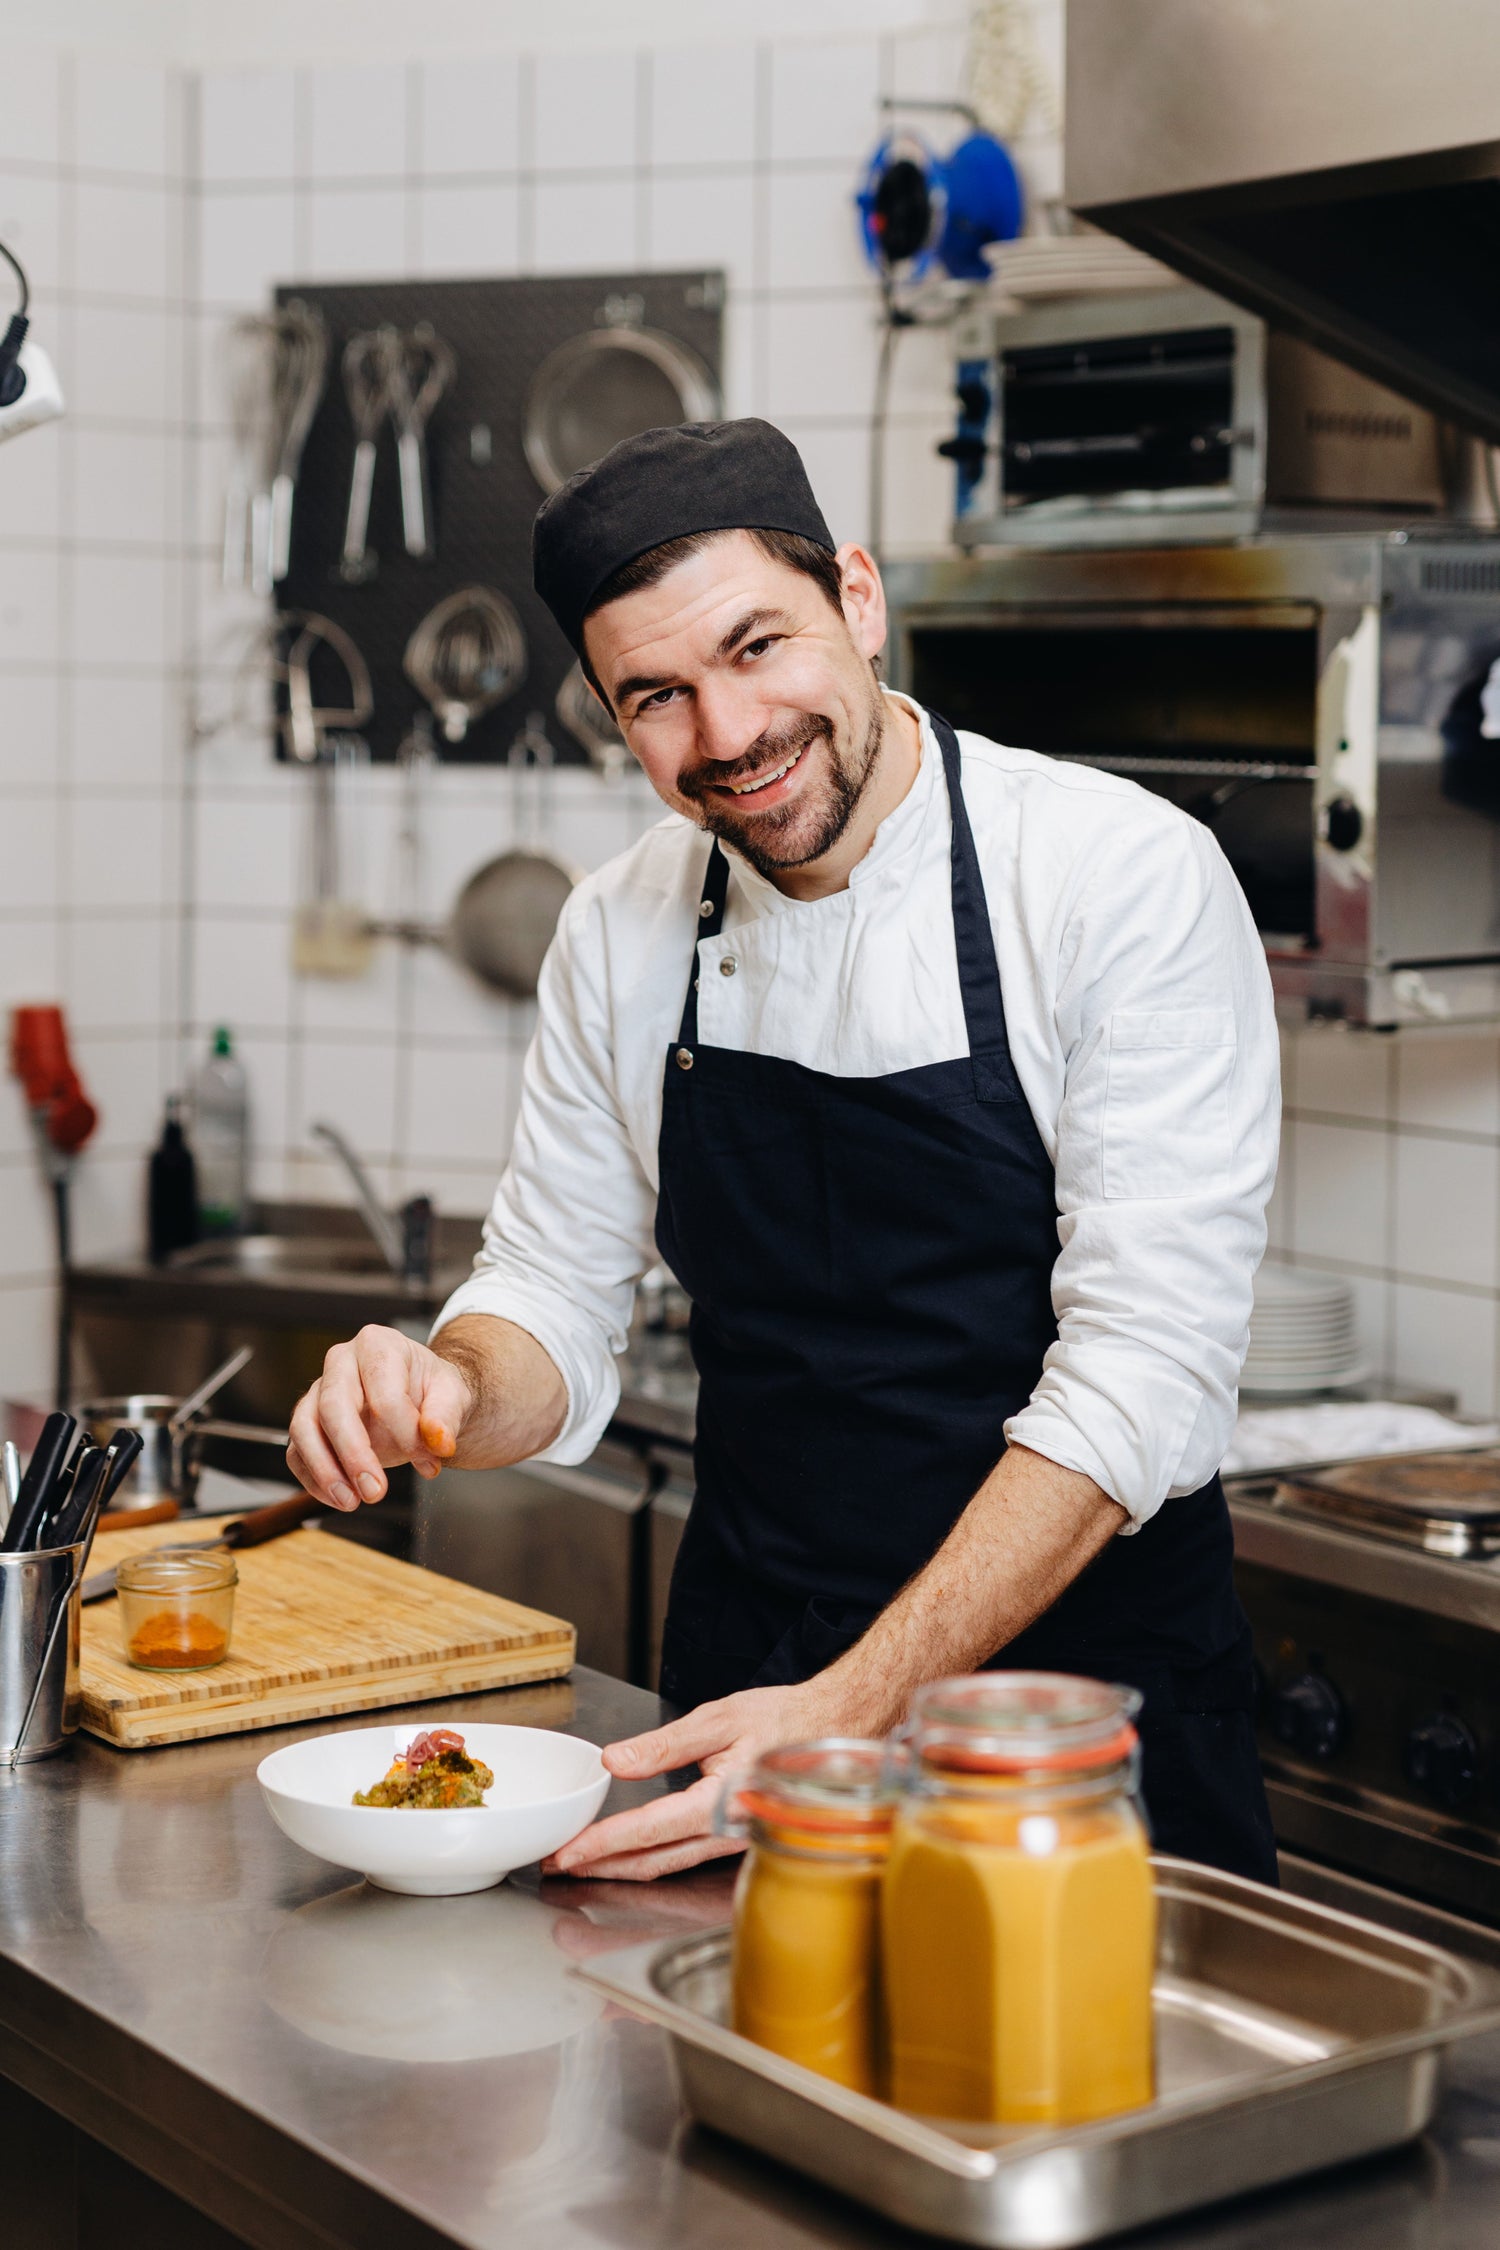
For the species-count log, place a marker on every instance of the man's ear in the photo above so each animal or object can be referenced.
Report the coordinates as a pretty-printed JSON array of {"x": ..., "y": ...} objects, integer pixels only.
[{"x": 863, "y": 598}]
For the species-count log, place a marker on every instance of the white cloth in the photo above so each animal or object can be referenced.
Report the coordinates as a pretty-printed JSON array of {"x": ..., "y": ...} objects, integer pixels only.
[{"x": 1140, "y": 1018}]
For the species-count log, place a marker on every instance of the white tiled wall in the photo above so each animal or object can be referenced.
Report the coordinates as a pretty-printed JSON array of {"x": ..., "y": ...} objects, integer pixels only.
[
  {"x": 150, "y": 887},
  {"x": 1390, "y": 1174},
  {"x": 91, "y": 578}
]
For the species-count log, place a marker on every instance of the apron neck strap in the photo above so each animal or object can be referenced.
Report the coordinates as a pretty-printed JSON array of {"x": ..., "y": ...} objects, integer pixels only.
[
  {"x": 710, "y": 922},
  {"x": 974, "y": 940}
]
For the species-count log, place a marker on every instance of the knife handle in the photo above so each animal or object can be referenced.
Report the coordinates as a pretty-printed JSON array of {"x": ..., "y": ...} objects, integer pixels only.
[
  {"x": 125, "y": 1449},
  {"x": 270, "y": 1523},
  {"x": 138, "y": 1519},
  {"x": 43, "y": 1471},
  {"x": 66, "y": 1522}
]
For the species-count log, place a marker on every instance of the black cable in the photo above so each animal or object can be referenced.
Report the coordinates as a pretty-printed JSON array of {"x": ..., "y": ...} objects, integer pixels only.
[
  {"x": 895, "y": 321},
  {"x": 19, "y": 271},
  {"x": 63, "y": 1216}
]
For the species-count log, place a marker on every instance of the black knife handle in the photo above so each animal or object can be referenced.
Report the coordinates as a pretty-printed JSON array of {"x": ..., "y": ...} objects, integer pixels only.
[
  {"x": 270, "y": 1523},
  {"x": 124, "y": 1449},
  {"x": 37, "y": 1494},
  {"x": 67, "y": 1520}
]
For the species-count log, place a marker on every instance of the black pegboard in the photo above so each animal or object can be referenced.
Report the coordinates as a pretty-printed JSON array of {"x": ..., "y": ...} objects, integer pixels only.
[{"x": 501, "y": 331}]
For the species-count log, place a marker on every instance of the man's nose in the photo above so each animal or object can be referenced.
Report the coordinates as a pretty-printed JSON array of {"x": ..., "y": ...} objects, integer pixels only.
[{"x": 730, "y": 720}]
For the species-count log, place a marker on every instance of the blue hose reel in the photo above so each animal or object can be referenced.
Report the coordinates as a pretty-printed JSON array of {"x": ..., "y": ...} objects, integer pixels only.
[{"x": 918, "y": 210}]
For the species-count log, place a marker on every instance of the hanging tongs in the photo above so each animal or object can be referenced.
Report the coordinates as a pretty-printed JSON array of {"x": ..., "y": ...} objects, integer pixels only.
[
  {"x": 369, "y": 358},
  {"x": 420, "y": 371}
]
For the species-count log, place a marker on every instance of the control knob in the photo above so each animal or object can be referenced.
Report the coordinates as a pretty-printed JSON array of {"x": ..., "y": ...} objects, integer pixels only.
[
  {"x": 1343, "y": 824},
  {"x": 1308, "y": 1715},
  {"x": 1441, "y": 1758}
]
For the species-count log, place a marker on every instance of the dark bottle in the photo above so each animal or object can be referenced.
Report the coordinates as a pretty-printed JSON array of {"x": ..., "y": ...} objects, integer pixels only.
[{"x": 172, "y": 1195}]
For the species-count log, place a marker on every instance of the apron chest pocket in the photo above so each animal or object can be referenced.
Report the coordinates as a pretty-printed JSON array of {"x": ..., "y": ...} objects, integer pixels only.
[{"x": 1166, "y": 1109}]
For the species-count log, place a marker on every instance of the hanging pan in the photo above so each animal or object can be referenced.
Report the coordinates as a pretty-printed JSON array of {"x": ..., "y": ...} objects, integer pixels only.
[
  {"x": 607, "y": 384},
  {"x": 506, "y": 913}
]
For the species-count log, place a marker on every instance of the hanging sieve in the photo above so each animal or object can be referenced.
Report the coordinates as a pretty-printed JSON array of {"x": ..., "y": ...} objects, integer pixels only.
[{"x": 607, "y": 384}]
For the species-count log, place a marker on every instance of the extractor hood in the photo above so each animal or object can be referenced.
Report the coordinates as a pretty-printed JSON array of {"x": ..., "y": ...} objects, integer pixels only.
[{"x": 1334, "y": 165}]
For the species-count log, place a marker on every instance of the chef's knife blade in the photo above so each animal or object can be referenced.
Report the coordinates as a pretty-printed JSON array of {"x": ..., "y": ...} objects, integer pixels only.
[{"x": 250, "y": 1531}]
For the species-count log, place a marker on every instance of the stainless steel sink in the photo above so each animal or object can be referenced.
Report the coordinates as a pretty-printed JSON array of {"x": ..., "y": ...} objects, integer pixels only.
[{"x": 270, "y": 1255}]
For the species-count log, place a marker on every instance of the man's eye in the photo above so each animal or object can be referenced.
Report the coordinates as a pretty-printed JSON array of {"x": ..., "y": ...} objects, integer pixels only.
[
  {"x": 656, "y": 701},
  {"x": 758, "y": 648}
]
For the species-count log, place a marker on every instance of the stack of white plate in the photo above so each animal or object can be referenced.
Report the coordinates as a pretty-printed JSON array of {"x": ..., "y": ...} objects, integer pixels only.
[
  {"x": 1073, "y": 265},
  {"x": 1303, "y": 1335}
]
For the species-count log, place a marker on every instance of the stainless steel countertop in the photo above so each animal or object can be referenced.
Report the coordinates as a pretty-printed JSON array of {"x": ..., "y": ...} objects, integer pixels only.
[{"x": 314, "y": 2062}]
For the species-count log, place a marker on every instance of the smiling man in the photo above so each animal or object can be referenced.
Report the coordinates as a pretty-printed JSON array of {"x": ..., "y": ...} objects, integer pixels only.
[{"x": 944, "y": 1077}]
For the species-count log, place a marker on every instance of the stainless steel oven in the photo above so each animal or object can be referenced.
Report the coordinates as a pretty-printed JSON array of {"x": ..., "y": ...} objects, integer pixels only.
[
  {"x": 1373, "y": 1591},
  {"x": 1322, "y": 703},
  {"x": 1172, "y": 414}
]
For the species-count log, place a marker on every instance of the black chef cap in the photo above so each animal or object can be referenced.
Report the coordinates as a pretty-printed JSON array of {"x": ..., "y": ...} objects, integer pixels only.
[{"x": 666, "y": 484}]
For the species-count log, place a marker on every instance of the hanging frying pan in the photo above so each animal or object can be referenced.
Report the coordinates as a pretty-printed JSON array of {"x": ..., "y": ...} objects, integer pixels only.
[
  {"x": 504, "y": 916},
  {"x": 605, "y": 385}
]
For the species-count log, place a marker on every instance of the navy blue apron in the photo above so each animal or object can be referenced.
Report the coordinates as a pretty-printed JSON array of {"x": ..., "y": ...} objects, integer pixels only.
[{"x": 870, "y": 1267}]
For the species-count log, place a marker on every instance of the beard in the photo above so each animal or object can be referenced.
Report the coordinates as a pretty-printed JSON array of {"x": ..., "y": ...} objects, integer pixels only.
[{"x": 795, "y": 834}]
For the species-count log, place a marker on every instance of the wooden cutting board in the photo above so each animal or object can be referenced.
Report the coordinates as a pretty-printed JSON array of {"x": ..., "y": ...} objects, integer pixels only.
[{"x": 320, "y": 1626}]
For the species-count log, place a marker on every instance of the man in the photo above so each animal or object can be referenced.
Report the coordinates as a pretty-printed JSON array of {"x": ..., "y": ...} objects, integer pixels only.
[{"x": 944, "y": 1077}]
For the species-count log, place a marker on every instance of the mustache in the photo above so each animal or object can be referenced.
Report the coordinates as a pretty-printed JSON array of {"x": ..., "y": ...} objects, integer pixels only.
[{"x": 768, "y": 749}]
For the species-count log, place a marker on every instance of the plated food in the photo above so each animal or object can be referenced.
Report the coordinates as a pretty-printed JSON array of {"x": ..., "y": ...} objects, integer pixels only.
[
  {"x": 543, "y": 1787},
  {"x": 434, "y": 1773}
]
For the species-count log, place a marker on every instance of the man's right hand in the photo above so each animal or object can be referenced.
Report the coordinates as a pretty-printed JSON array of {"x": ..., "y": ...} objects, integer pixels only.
[{"x": 380, "y": 1400}]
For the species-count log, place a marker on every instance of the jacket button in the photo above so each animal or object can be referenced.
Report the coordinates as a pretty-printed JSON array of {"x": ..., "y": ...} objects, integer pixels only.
[
  {"x": 705, "y": 909},
  {"x": 684, "y": 1058},
  {"x": 727, "y": 966}
]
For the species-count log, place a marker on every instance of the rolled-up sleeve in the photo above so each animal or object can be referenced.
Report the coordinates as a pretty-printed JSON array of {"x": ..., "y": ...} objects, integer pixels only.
[
  {"x": 570, "y": 1230},
  {"x": 1167, "y": 1142}
]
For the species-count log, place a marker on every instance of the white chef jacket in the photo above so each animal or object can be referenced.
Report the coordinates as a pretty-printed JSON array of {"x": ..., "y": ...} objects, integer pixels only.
[{"x": 1140, "y": 1017}]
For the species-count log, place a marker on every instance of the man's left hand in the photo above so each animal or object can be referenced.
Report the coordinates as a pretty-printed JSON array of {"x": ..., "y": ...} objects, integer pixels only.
[{"x": 676, "y": 1830}]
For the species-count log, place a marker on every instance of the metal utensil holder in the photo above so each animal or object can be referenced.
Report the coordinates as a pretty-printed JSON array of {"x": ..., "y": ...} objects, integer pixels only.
[{"x": 40, "y": 1697}]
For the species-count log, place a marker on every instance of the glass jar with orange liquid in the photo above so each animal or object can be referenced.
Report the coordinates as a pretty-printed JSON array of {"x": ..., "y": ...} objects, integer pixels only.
[
  {"x": 806, "y": 1945},
  {"x": 1019, "y": 1911}
]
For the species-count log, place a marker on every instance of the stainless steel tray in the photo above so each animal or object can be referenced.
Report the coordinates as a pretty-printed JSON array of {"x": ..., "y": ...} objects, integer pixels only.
[{"x": 1289, "y": 2035}]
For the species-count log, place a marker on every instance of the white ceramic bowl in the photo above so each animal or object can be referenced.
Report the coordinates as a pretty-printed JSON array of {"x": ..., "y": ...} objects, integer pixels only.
[{"x": 547, "y": 1787}]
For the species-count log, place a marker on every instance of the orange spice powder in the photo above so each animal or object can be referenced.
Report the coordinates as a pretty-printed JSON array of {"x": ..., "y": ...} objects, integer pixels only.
[{"x": 169, "y": 1642}]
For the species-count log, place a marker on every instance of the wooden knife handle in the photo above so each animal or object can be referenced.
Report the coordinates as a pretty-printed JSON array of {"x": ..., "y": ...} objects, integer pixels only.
[
  {"x": 136, "y": 1519},
  {"x": 270, "y": 1523}
]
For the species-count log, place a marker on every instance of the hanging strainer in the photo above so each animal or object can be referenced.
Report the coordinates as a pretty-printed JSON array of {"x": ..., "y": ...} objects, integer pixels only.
[
  {"x": 606, "y": 384},
  {"x": 468, "y": 654}
]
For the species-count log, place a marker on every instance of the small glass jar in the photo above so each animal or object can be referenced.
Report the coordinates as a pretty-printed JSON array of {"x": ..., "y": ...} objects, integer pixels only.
[
  {"x": 1020, "y": 1910},
  {"x": 806, "y": 1946},
  {"x": 177, "y": 1607}
]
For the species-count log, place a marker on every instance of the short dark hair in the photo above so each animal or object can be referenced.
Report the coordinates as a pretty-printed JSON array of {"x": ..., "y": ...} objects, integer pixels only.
[{"x": 789, "y": 547}]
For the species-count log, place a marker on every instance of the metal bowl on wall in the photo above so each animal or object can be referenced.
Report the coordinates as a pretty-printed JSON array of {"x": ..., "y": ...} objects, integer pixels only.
[{"x": 608, "y": 384}]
